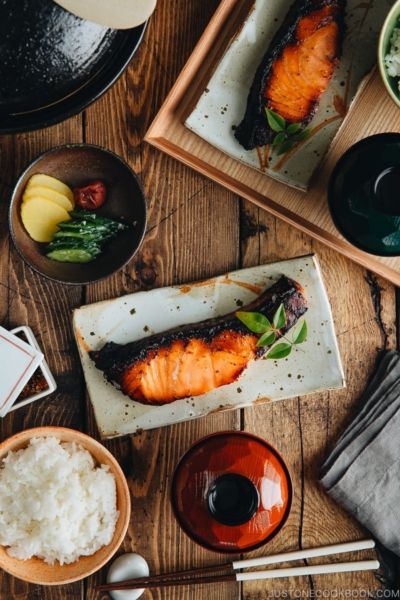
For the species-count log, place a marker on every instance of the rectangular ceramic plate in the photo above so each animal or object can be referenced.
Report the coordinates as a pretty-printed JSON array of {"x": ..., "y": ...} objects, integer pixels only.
[
  {"x": 314, "y": 368},
  {"x": 222, "y": 105}
]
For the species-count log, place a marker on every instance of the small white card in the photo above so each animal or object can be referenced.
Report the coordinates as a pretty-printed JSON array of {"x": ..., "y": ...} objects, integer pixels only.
[{"x": 18, "y": 361}]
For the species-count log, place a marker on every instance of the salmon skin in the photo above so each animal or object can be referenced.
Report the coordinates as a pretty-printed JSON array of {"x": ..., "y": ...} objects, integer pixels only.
[
  {"x": 295, "y": 70},
  {"x": 193, "y": 359}
]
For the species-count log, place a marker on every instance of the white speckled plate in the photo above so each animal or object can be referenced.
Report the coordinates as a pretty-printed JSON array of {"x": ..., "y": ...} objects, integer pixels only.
[
  {"x": 222, "y": 105},
  {"x": 315, "y": 367}
]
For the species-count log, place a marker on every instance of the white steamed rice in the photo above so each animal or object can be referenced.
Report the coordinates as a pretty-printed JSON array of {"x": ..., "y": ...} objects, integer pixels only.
[
  {"x": 392, "y": 60},
  {"x": 54, "y": 503}
]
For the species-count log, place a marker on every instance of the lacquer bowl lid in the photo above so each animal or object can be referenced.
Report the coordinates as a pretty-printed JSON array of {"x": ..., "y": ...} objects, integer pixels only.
[{"x": 231, "y": 492}]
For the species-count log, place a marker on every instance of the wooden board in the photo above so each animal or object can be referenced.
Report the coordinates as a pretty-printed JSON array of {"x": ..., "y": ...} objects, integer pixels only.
[
  {"x": 197, "y": 229},
  {"x": 372, "y": 112}
]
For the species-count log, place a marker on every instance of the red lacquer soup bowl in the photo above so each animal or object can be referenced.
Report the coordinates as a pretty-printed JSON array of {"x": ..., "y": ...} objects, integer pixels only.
[{"x": 231, "y": 492}]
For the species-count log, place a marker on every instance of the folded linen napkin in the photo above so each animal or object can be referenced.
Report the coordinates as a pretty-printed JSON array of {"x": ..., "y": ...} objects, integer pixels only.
[{"x": 363, "y": 471}]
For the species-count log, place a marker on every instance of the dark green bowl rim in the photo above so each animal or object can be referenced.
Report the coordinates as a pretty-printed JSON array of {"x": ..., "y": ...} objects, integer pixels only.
[{"x": 364, "y": 143}]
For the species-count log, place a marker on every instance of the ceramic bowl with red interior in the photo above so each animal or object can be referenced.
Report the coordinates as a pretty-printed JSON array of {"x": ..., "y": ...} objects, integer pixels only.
[
  {"x": 231, "y": 492},
  {"x": 64, "y": 180}
]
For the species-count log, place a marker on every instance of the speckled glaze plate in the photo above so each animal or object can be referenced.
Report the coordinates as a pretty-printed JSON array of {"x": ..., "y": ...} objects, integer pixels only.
[
  {"x": 222, "y": 105},
  {"x": 54, "y": 64},
  {"x": 135, "y": 316}
]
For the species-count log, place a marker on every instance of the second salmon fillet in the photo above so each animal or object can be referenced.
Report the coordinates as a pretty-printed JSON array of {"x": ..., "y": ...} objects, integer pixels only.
[{"x": 295, "y": 70}]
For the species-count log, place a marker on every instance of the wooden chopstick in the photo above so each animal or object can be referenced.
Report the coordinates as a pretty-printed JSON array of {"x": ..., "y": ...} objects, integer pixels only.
[
  {"x": 272, "y": 574},
  {"x": 303, "y": 554},
  {"x": 252, "y": 562},
  {"x": 178, "y": 574},
  {"x": 175, "y": 576},
  {"x": 257, "y": 562}
]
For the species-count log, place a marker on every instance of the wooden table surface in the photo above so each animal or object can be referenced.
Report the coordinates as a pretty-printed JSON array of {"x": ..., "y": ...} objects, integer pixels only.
[{"x": 196, "y": 229}]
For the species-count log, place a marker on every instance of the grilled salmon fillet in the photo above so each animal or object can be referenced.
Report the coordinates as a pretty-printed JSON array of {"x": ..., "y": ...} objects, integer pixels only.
[
  {"x": 194, "y": 359},
  {"x": 295, "y": 70}
]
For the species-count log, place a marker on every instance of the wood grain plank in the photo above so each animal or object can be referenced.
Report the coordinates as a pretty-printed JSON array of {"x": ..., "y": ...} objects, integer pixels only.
[
  {"x": 305, "y": 430},
  {"x": 192, "y": 233},
  {"x": 266, "y": 239},
  {"x": 26, "y": 298},
  {"x": 196, "y": 229}
]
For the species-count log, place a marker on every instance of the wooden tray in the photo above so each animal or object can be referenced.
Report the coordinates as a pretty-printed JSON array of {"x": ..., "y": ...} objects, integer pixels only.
[{"x": 372, "y": 112}]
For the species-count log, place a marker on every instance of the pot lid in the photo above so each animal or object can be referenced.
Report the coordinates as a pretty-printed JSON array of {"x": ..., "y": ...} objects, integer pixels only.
[{"x": 231, "y": 492}]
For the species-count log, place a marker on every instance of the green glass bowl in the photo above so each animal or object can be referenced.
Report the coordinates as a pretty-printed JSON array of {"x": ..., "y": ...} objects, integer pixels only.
[
  {"x": 364, "y": 194},
  {"x": 391, "y": 83}
]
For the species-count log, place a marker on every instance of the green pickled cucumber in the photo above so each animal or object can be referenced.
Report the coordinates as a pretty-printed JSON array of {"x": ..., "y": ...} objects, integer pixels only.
[
  {"x": 82, "y": 226},
  {"x": 95, "y": 236},
  {"x": 91, "y": 247},
  {"x": 81, "y": 238},
  {"x": 90, "y": 217},
  {"x": 73, "y": 255}
]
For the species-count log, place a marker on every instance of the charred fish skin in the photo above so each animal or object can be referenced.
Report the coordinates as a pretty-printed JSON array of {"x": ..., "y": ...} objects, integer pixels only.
[
  {"x": 130, "y": 367},
  {"x": 295, "y": 70}
]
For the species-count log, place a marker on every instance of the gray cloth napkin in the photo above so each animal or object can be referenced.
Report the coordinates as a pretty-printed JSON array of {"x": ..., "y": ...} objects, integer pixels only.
[{"x": 363, "y": 471}]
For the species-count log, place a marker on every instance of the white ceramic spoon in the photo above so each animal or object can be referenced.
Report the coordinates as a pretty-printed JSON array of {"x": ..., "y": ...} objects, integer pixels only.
[{"x": 117, "y": 14}]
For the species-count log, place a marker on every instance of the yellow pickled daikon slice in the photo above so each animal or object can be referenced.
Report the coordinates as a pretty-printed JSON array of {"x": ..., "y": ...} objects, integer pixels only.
[
  {"x": 45, "y": 192},
  {"x": 40, "y": 217},
  {"x": 52, "y": 183}
]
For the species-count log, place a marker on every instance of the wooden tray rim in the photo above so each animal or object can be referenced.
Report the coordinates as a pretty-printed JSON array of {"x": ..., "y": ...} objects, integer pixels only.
[{"x": 177, "y": 98}]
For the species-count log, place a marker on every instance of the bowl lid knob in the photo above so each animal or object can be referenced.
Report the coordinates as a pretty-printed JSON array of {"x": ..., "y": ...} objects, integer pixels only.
[{"x": 233, "y": 499}]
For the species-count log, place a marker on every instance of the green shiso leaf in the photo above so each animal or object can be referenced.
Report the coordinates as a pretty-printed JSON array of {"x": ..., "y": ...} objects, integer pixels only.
[
  {"x": 254, "y": 321},
  {"x": 303, "y": 135},
  {"x": 280, "y": 351},
  {"x": 267, "y": 339},
  {"x": 300, "y": 333},
  {"x": 285, "y": 147},
  {"x": 279, "y": 139},
  {"x": 293, "y": 128},
  {"x": 275, "y": 121},
  {"x": 279, "y": 318}
]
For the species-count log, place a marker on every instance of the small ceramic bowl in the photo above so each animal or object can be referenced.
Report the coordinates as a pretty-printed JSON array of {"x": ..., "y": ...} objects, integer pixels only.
[
  {"x": 76, "y": 165},
  {"x": 363, "y": 194},
  {"x": 391, "y": 22},
  {"x": 231, "y": 492},
  {"x": 35, "y": 570}
]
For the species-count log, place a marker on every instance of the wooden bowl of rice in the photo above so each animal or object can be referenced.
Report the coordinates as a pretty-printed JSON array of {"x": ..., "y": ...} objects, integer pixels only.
[{"x": 42, "y": 456}]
